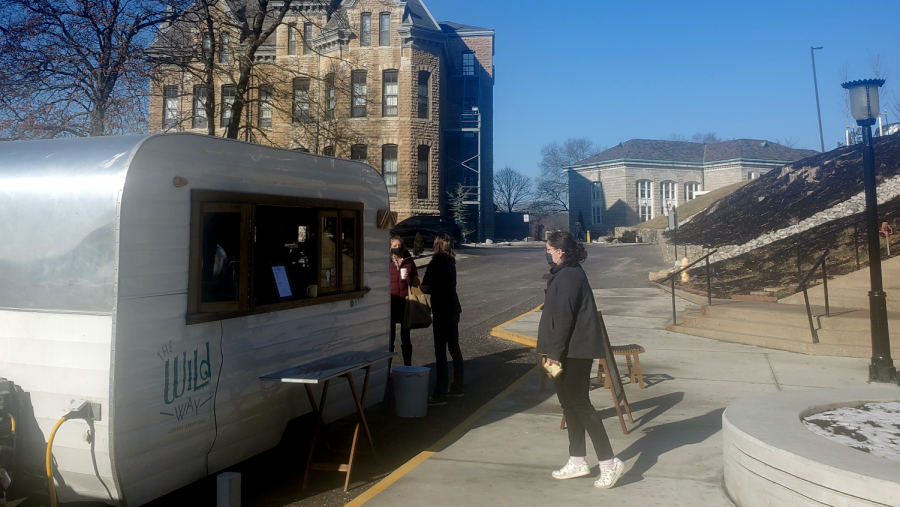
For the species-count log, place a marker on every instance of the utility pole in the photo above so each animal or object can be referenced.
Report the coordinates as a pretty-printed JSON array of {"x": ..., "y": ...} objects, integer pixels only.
[{"x": 816, "y": 85}]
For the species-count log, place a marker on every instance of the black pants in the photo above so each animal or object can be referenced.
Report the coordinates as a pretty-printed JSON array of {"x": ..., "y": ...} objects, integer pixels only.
[
  {"x": 398, "y": 306},
  {"x": 404, "y": 335},
  {"x": 446, "y": 336},
  {"x": 572, "y": 386}
]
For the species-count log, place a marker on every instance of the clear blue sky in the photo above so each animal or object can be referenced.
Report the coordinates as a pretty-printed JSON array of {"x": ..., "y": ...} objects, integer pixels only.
[{"x": 613, "y": 71}]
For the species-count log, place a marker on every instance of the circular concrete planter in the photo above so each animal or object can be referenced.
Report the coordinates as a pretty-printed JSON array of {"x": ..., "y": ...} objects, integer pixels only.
[{"x": 772, "y": 459}]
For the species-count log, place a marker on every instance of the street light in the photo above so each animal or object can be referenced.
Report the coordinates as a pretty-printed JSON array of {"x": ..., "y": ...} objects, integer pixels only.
[
  {"x": 864, "y": 108},
  {"x": 816, "y": 86}
]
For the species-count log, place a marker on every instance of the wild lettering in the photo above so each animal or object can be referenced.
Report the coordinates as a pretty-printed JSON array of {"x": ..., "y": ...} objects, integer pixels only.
[{"x": 193, "y": 375}]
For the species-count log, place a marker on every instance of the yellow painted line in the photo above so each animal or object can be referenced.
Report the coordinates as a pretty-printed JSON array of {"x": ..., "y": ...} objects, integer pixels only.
[
  {"x": 440, "y": 445},
  {"x": 530, "y": 341}
]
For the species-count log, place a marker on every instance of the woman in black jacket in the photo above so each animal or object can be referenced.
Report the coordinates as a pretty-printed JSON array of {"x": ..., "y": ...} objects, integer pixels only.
[
  {"x": 440, "y": 282},
  {"x": 570, "y": 335}
]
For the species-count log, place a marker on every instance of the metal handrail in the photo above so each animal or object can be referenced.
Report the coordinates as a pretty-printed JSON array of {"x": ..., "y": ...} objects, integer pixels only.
[
  {"x": 708, "y": 285},
  {"x": 829, "y": 231},
  {"x": 802, "y": 286}
]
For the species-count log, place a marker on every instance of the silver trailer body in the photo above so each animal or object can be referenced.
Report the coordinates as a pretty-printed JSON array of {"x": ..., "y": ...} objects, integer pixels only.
[{"x": 94, "y": 274}]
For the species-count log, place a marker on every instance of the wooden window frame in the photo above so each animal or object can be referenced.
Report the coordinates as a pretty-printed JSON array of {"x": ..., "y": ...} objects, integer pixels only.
[
  {"x": 365, "y": 35},
  {"x": 387, "y": 110},
  {"x": 228, "y": 91},
  {"x": 424, "y": 98},
  {"x": 423, "y": 188},
  {"x": 198, "y": 104},
  {"x": 307, "y": 38},
  {"x": 361, "y": 110},
  {"x": 300, "y": 110},
  {"x": 292, "y": 40},
  {"x": 246, "y": 203},
  {"x": 384, "y": 29},
  {"x": 169, "y": 123}
]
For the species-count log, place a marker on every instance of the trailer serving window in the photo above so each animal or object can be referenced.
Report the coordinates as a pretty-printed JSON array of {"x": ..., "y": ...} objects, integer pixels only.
[{"x": 254, "y": 253}]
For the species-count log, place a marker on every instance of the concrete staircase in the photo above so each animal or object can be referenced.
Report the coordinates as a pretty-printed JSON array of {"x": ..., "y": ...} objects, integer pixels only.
[
  {"x": 786, "y": 327},
  {"x": 852, "y": 290}
]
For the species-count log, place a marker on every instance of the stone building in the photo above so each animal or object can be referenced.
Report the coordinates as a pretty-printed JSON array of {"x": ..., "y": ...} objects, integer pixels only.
[
  {"x": 374, "y": 80},
  {"x": 639, "y": 179}
]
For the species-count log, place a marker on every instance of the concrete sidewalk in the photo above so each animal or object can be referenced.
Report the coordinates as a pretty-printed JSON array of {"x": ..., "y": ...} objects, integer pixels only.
[{"x": 673, "y": 452}]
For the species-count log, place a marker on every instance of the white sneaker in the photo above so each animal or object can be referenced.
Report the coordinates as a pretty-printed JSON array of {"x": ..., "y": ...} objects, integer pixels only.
[
  {"x": 571, "y": 470},
  {"x": 609, "y": 477}
]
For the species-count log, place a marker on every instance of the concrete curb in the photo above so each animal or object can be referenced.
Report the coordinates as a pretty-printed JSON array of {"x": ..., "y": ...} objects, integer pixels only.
[
  {"x": 522, "y": 339},
  {"x": 771, "y": 458}
]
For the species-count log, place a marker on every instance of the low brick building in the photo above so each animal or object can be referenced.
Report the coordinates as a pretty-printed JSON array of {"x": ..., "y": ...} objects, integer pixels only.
[
  {"x": 374, "y": 80},
  {"x": 639, "y": 179}
]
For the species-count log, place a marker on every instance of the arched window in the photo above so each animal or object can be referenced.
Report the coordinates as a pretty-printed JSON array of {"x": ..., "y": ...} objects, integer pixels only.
[
  {"x": 690, "y": 190},
  {"x": 669, "y": 197},
  {"x": 645, "y": 200}
]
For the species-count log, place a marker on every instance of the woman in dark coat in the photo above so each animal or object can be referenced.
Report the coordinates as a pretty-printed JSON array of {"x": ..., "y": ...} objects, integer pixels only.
[
  {"x": 570, "y": 335},
  {"x": 440, "y": 282},
  {"x": 400, "y": 261}
]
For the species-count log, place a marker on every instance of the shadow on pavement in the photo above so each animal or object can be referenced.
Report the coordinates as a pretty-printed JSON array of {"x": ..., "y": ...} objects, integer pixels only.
[{"x": 663, "y": 438}]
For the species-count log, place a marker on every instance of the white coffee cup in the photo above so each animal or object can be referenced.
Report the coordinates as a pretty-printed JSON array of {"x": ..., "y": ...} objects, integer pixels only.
[
  {"x": 404, "y": 273},
  {"x": 312, "y": 291}
]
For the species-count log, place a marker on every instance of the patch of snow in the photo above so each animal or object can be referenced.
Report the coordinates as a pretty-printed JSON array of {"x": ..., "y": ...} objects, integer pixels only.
[{"x": 873, "y": 428}]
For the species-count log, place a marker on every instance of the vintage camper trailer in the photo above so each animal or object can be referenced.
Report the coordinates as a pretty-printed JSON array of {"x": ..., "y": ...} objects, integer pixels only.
[{"x": 157, "y": 277}]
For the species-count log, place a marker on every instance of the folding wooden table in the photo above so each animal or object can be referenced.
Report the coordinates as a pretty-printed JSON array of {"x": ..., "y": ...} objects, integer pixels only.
[{"x": 323, "y": 371}]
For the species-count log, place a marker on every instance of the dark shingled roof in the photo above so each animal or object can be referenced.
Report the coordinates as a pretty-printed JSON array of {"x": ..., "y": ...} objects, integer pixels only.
[
  {"x": 681, "y": 151},
  {"x": 417, "y": 14},
  {"x": 451, "y": 27}
]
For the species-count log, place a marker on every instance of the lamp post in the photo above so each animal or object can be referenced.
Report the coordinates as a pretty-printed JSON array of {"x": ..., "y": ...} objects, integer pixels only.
[
  {"x": 864, "y": 107},
  {"x": 816, "y": 86}
]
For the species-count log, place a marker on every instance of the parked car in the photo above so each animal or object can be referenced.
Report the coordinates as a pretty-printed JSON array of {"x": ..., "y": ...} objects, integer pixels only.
[{"x": 428, "y": 226}]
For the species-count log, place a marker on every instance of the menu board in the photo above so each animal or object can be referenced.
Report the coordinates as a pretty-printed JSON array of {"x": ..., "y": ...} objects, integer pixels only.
[{"x": 282, "y": 281}]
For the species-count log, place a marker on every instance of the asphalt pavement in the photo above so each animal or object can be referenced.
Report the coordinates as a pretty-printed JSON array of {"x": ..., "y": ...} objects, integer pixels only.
[{"x": 495, "y": 285}]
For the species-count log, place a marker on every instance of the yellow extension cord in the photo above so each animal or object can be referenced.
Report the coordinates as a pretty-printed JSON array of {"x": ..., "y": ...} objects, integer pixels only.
[{"x": 50, "y": 483}]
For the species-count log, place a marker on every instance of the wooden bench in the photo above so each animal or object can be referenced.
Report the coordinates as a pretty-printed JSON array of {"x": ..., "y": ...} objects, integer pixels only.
[{"x": 632, "y": 354}]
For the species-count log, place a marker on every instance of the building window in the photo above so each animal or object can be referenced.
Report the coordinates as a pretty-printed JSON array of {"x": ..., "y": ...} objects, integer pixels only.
[
  {"x": 265, "y": 106},
  {"x": 389, "y": 85},
  {"x": 199, "y": 120},
  {"x": 300, "y": 107},
  {"x": 389, "y": 168},
  {"x": 228, "y": 93},
  {"x": 424, "y": 83},
  {"x": 423, "y": 186},
  {"x": 690, "y": 190},
  {"x": 292, "y": 40},
  {"x": 170, "y": 107},
  {"x": 359, "y": 152},
  {"x": 329, "y": 97},
  {"x": 365, "y": 29},
  {"x": 468, "y": 63},
  {"x": 596, "y": 215},
  {"x": 358, "y": 104},
  {"x": 329, "y": 151},
  {"x": 296, "y": 243},
  {"x": 596, "y": 191},
  {"x": 224, "y": 40},
  {"x": 669, "y": 199},
  {"x": 207, "y": 44},
  {"x": 645, "y": 200},
  {"x": 384, "y": 29},
  {"x": 307, "y": 38}
]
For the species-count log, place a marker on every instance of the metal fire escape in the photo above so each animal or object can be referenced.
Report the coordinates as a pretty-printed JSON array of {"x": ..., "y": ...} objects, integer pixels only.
[{"x": 463, "y": 138}]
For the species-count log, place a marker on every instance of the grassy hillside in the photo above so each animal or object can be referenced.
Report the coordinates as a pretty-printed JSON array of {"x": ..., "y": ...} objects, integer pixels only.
[
  {"x": 779, "y": 199},
  {"x": 691, "y": 208}
]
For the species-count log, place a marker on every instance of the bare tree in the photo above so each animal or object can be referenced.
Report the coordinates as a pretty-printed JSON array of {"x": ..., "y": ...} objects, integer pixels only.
[
  {"x": 512, "y": 190},
  {"x": 217, "y": 48},
  {"x": 790, "y": 142},
  {"x": 553, "y": 182},
  {"x": 76, "y": 67},
  {"x": 699, "y": 137}
]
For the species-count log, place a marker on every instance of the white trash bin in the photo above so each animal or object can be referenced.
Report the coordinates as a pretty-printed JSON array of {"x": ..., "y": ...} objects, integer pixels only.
[{"x": 410, "y": 390}]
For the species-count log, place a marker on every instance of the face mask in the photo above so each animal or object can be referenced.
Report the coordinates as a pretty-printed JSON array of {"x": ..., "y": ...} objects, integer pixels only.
[
  {"x": 550, "y": 260},
  {"x": 396, "y": 251}
]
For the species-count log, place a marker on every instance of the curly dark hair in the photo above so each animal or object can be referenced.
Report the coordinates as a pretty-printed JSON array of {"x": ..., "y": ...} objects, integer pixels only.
[{"x": 574, "y": 251}]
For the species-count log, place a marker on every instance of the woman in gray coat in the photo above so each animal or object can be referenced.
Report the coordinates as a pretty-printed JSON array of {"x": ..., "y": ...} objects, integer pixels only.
[{"x": 570, "y": 335}]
